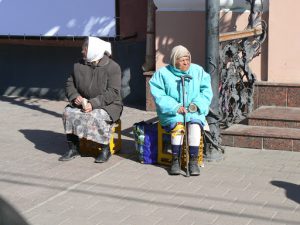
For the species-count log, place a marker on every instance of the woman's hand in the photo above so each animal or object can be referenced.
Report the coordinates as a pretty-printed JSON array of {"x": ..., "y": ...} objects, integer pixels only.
[
  {"x": 78, "y": 100},
  {"x": 182, "y": 110},
  {"x": 88, "y": 108}
]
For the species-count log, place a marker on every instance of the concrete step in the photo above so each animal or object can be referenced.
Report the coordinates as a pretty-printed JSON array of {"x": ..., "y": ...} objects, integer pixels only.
[
  {"x": 278, "y": 94},
  {"x": 275, "y": 116},
  {"x": 262, "y": 137}
]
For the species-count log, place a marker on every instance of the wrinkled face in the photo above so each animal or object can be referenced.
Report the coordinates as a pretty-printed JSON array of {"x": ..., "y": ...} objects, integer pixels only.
[
  {"x": 84, "y": 50},
  {"x": 183, "y": 63}
]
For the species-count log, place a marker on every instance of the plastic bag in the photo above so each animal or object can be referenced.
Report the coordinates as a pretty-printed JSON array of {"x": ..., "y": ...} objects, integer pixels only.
[{"x": 145, "y": 136}]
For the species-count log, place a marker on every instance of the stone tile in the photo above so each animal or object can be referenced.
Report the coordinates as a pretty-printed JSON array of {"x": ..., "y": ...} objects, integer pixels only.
[
  {"x": 232, "y": 219},
  {"x": 241, "y": 130},
  {"x": 255, "y": 97},
  {"x": 288, "y": 218},
  {"x": 198, "y": 218},
  {"x": 227, "y": 140},
  {"x": 256, "y": 122},
  {"x": 258, "y": 214},
  {"x": 270, "y": 95},
  {"x": 278, "y": 144},
  {"x": 296, "y": 145},
  {"x": 123, "y": 191},
  {"x": 276, "y": 113},
  {"x": 273, "y": 200},
  {"x": 293, "y": 99},
  {"x": 260, "y": 222},
  {"x": 242, "y": 198},
  {"x": 294, "y": 125},
  {"x": 139, "y": 219},
  {"x": 248, "y": 142},
  {"x": 172, "y": 221},
  {"x": 276, "y": 123}
]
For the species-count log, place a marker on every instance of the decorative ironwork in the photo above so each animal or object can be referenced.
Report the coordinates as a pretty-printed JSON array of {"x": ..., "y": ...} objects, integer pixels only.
[{"x": 236, "y": 77}]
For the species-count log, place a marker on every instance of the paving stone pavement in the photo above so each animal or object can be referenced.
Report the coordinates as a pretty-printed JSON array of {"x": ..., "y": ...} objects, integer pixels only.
[{"x": 250, "y": 187}]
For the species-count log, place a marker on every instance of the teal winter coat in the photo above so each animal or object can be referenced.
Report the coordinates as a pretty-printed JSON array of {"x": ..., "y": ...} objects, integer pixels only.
[{"x": 166, "y": 89}]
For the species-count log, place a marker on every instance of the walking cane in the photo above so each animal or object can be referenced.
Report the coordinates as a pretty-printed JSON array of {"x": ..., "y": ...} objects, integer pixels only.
[{"x": 185, "y": 127}]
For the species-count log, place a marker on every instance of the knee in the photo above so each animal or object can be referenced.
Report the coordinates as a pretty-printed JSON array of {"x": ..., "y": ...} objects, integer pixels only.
[{"x": 178, "y": 130}]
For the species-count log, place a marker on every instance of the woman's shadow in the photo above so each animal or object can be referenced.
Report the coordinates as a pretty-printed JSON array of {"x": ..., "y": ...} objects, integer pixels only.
[
  {"x": 292, "y": 191},
  {"x": 55, "y": 143},
  {"x": 46, "y": 140}
]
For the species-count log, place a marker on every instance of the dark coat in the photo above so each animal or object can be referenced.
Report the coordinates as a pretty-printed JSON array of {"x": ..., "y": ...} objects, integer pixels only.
[{"x": 100, "y": 84}]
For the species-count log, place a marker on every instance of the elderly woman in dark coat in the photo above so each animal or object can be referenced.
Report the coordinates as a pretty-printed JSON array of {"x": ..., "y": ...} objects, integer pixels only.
[{"x": 94, "y": 94}]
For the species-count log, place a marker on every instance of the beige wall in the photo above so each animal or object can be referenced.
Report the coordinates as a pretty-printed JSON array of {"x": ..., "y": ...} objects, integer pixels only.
[
  {"x": 184, "y": 28},
  {"x": 284, "y": 41},
  {"x": 279, "y": 59},
  {"x": 188, "y": 29},
  {"x": 238, "y": 21}
]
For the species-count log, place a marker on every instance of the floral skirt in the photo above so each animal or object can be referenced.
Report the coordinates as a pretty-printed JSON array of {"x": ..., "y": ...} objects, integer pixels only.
[{"x": 95, "y": 126}]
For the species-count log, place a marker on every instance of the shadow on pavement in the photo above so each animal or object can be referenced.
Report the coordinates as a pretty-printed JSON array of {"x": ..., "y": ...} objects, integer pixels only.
[
  {"x": 127, "y": 132},
  {"x": 128, "y": 151},
  {"x": 9, "y": 215},
  {"x": 46, "y": 140},
  {"x": 160, "y": 202},
  {"x": 291, "y": 190},
  {"x": 22, "y": 103},
  {"x": 53, "y": 142},
  {"x": 128, "y": 147}
]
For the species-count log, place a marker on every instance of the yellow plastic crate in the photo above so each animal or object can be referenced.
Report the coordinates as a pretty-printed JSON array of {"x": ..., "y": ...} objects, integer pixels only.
[
  {"x": 90, "y": 148},
  {"x": 164, "y": 149}
]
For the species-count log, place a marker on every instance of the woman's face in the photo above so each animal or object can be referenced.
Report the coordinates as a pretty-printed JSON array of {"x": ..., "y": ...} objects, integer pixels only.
[
  {"x": 183, "y": 63},
  {"x": 84, "y": 51}
]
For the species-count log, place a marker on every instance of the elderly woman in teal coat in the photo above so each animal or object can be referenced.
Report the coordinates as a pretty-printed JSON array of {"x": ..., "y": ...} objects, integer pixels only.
[{"x": 167, "y": 91}]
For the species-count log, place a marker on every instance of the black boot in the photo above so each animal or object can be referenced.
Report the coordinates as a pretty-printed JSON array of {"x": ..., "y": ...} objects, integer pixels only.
[
  {"x": 72, "y": 153},
  {"x": 104, "y": 154},
  {"x": 175, "y": 166},
  {"x": 193, "y": 166}
]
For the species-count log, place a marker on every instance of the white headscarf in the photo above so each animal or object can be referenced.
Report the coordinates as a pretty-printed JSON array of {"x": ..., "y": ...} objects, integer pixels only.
[
  {"x": 97, "y": 48},
  {"x": 178, "y": 52}
]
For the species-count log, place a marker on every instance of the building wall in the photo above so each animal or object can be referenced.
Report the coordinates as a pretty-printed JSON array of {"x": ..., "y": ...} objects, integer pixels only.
[
  {"x": 133, "y": 19},
  {"x": 189, "y": 30},
  {"x": 284, "y": 44},
  {"x": 41, "y": 71},
  {"x": 278, "y": 60},
  {"x": 39, "y": 68}
]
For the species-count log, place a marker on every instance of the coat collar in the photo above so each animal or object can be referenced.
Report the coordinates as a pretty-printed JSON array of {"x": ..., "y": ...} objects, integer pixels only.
[{"x": 104, "y": 61}]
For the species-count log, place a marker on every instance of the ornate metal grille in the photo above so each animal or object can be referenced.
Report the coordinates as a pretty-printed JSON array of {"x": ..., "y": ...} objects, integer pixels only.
[{"x": 237, "y": 50}]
